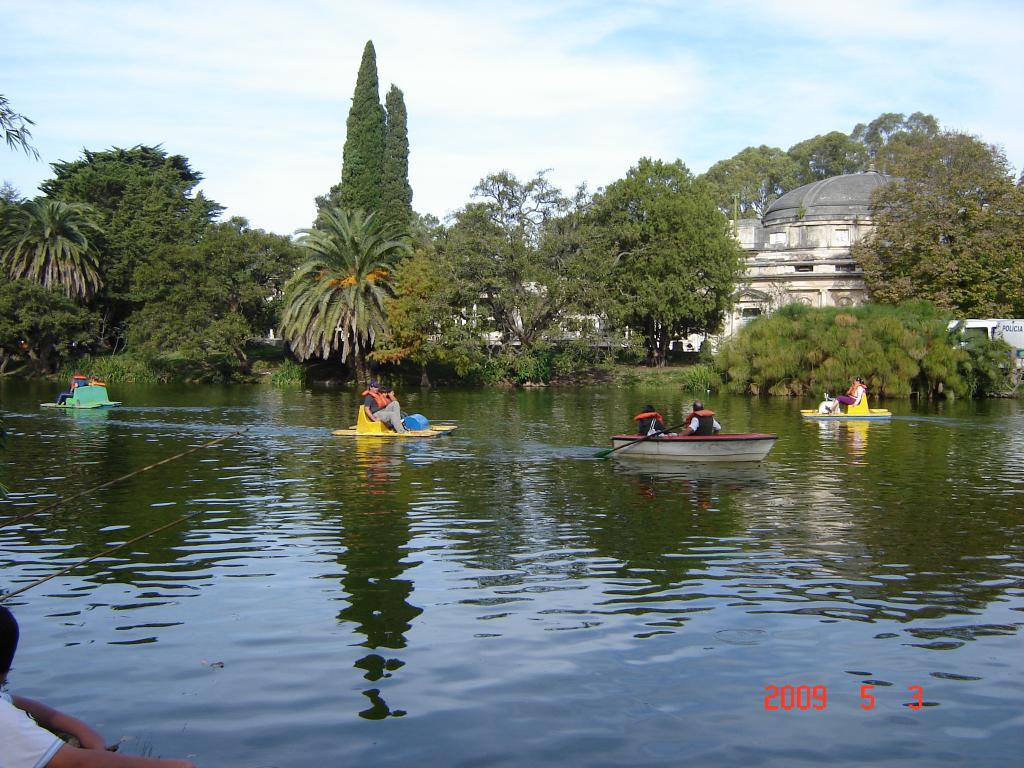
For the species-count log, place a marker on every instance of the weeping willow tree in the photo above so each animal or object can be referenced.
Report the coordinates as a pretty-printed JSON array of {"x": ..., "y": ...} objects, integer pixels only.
[{"x": 900, "y": 351}]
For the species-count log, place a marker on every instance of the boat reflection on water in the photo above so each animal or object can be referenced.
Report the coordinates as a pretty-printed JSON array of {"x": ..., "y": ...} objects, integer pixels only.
[
  {"x": 702, "y": 482},
  {"x": 853, "y": 432},
  {"x": 375, "y": 535}
]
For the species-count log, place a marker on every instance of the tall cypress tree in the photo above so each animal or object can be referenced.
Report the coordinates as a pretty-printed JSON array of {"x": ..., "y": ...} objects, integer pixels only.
[
  {"x": 397, "y": 194},
  {"x": 363, "y": 157}
]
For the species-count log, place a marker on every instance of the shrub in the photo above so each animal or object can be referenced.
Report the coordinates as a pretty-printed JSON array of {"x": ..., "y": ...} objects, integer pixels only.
[
  {"x": 899, "y": 350},
  {"x": 117, "y": 369},
  {"x": 288, "y": 374},
  {"x": 700, "y": 378}
]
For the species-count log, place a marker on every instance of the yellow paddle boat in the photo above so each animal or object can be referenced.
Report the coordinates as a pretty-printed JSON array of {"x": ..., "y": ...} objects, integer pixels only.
[
  {"x": 367, "y": 427},
  {"x": 830, "y": 410}
]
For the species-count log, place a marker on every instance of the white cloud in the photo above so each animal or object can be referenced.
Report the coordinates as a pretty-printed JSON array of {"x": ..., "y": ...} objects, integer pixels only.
[{"x": 256, "y": 93}]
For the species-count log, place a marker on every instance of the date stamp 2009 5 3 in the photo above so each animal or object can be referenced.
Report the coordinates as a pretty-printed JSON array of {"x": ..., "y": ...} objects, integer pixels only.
[{"x": 805, "y": 697}]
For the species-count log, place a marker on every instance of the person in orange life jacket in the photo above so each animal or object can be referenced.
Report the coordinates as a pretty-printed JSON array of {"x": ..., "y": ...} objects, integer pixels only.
[
  {"x": 27, "y": 738},
  {"x": 855, "y": 393},
  {"x": 382, "y": 406},
  {"x": 701, "y": 421},
  {"x": 649, "y": 421},
  {"x": 78, "y": 380}
]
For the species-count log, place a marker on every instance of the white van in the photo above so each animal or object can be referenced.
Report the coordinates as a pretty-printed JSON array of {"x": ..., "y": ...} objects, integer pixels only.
[{"x": 1009, "y": 330}]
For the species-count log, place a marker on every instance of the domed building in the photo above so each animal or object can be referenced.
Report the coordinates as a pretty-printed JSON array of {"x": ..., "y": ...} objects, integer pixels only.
[{"x": 800, "y": 250}]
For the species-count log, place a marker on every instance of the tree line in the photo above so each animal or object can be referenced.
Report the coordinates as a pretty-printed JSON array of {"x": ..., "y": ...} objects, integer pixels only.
[{"x": 525, "y": 282}]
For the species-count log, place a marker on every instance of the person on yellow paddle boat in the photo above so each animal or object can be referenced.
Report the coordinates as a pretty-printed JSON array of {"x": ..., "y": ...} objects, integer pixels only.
[
  {"x": 853, "y": 395},
  {"x": 381, "y": 405}
]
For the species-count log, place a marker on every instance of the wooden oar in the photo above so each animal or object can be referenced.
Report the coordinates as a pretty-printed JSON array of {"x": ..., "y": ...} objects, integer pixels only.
[{"x": 609, "y": 451}]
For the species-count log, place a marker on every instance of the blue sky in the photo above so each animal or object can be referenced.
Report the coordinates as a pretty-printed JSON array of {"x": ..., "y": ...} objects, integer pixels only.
[{"x": 255, "y": 93}]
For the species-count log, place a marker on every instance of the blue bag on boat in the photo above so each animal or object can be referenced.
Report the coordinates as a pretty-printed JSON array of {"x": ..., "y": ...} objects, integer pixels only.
[{"x": 416, "y": 421}]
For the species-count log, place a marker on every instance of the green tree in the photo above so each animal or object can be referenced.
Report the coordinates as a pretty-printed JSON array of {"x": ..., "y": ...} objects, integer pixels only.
[
  {"x": 144, "y": 199},
  {"x": 335, "y": 299},
  {"x": 891, "y": 133},
  {"x": 363, "y": 157},
  {"x": 519, "y": 261},
  {"x": 232, "y": 295},
  {"x": 751, "y": 180},
  {"x": 677, "y": 260},
  {"x": 40, "y": 325},
  {"x": 831, "y": 154},
  {"x": 951, "y": 230},
  {"x": 47, "y": 241},
  {"x": 16, "y": 128},
  {"x": 396, "y": 193}
]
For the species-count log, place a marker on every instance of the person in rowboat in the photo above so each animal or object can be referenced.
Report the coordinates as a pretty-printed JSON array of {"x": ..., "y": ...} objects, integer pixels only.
[
  {"x": 649, "y": 421},
  {"x": 381, "y": 405},
  {"x": 27, "y": 727},
  {"x": 700, "y": 421}
]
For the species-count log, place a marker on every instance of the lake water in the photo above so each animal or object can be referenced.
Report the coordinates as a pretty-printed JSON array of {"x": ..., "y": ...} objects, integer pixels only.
[{"x": 499, "y": 597}]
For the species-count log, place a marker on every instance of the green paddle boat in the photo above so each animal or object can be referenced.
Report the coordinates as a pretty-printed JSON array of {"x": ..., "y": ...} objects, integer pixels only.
[{"x": 91, "y": 395}]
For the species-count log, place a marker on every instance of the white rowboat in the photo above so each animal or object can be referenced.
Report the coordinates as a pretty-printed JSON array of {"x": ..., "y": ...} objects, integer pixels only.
[{"x": 752, "y": 446}]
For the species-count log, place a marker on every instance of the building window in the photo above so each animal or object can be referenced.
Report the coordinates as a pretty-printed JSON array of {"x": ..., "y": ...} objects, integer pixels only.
[
  {"x": 804, "y": 267},
  {"x": 846, "y": 267},
  {"x": 777, "y": 238},
  {"x": 748, "y": 313},
  {"x": 844, "y": 301},
  {"x": 842, "y": 237}
]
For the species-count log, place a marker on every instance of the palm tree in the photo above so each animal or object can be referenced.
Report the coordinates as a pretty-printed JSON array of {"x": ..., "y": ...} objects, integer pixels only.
[
  {"x": 46, "y": 241},
  {"x": 335, "y": 300}
]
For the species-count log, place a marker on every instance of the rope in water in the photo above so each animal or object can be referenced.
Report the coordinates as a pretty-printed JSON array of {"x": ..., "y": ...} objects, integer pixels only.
[
  {"x": 27, "y": 515},
  {"x": 165, "y": 526},
  {"x": 104, "y": 553}
]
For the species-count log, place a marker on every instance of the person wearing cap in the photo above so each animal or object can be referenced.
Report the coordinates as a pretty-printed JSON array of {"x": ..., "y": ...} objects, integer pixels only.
[
  {"x": 381, "y": 405},
  {"x": 701, "y": 421},
  {"x": 649, "y": 421}
]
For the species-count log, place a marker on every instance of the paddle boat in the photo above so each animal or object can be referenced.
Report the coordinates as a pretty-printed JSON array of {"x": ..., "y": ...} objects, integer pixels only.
[
  {"x": 85, "y": 393},
  {"x": 416, "y": 425},
  {"x": 830, "y": 410},
  {"x": 746, "y": 446}
]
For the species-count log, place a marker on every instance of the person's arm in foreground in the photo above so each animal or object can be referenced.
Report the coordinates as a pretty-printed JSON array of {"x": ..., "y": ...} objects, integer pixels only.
[{"x": 93, "y": 752}]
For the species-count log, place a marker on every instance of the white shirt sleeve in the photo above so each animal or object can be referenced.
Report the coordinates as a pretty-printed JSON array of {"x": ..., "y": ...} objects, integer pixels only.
[
  {"x": 23, "y": 743},
  {"x": 694, "y": 424}
]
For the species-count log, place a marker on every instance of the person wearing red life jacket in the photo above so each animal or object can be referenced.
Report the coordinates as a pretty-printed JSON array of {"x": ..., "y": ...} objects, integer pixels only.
[
  {"x": 382, "y": 406},
  {"x": 701, "y": 421},
  {"x": 649, "y": 421}
]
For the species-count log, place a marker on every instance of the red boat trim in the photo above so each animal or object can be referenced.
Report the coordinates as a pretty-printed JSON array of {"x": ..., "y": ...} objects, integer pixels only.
[{"x": 698, "y": 438}]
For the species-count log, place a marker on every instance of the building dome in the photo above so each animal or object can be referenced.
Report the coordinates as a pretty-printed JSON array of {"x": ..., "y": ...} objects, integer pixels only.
[{"x": 838, "y": 197}]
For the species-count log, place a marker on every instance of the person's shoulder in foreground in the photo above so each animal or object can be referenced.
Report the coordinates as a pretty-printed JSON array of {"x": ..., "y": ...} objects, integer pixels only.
[{"x": 27, "y": 728}]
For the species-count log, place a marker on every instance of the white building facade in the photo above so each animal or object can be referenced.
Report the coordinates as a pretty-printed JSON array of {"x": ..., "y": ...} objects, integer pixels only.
[{"x": 800, "y": 250}]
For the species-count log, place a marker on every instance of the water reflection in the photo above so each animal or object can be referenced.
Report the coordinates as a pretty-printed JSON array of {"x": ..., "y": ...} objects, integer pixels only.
[
  {"x": 647, "y": 595},
  {"x": 376, "y": 535},
  {"x": 700, "y": 483},
  {"x": 852, "y": 434}
]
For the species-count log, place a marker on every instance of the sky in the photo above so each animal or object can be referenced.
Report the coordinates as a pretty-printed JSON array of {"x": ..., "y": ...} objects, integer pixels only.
[{"x": 255, "y": 93}]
